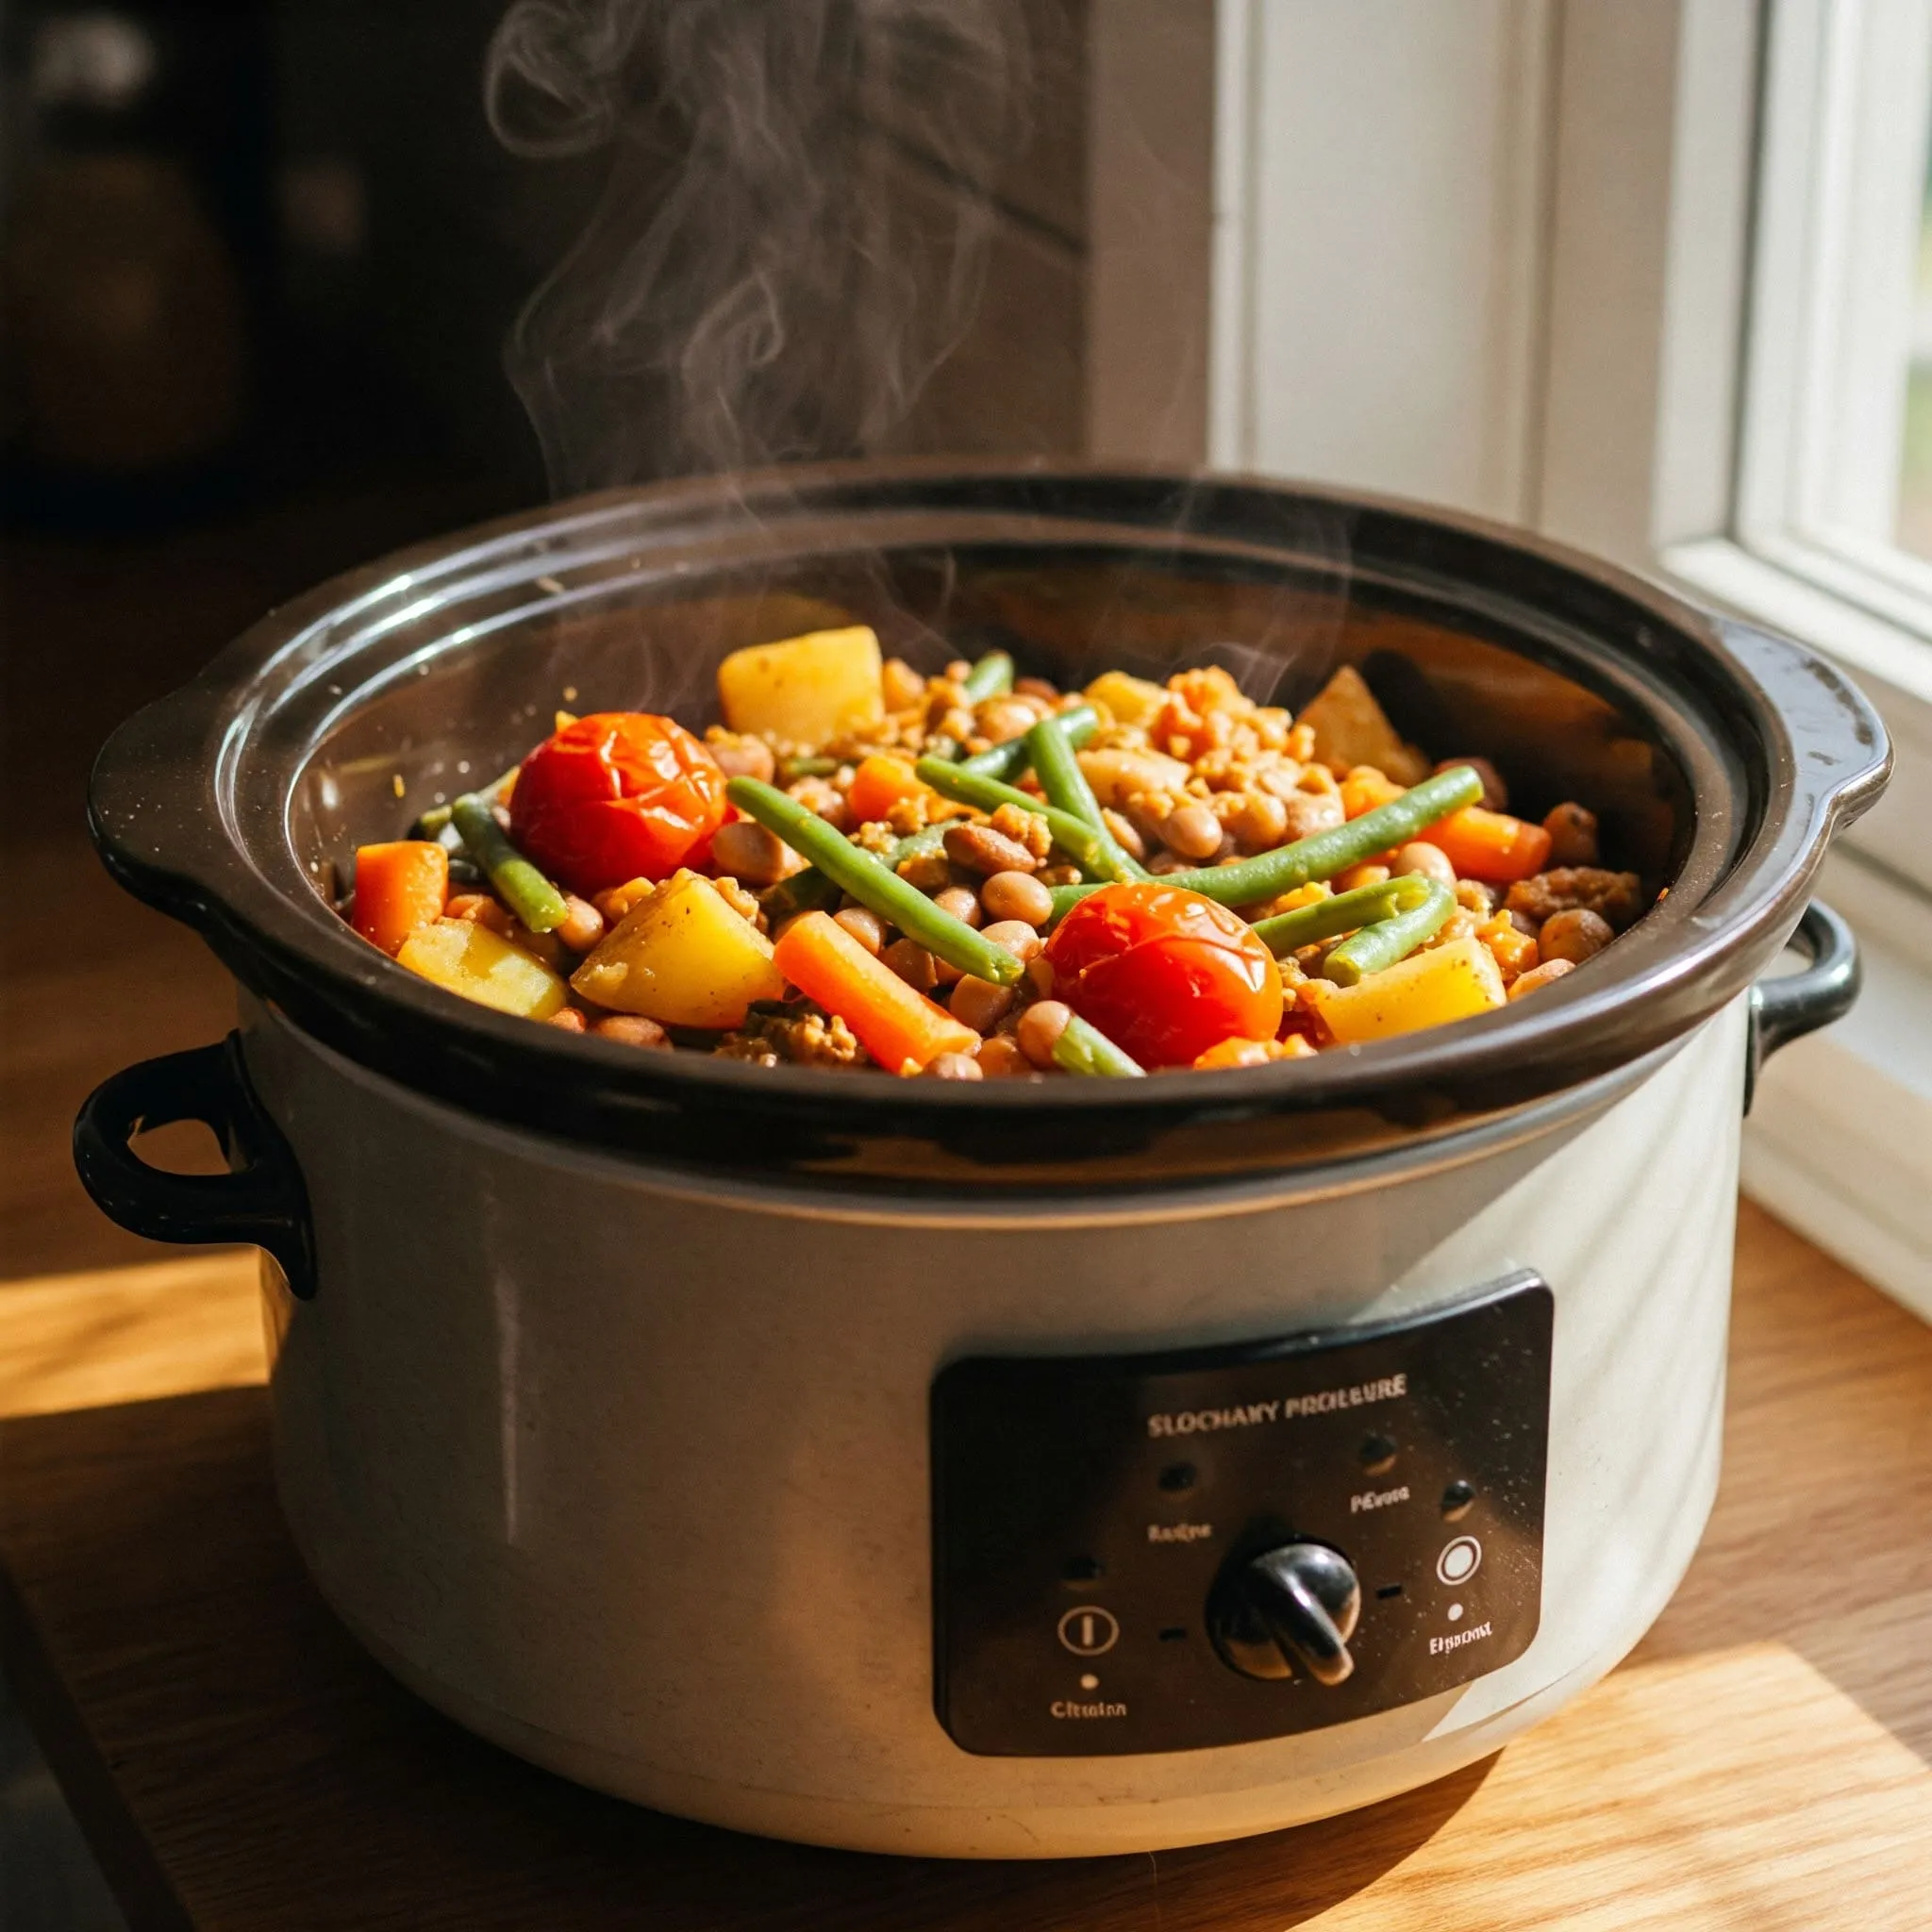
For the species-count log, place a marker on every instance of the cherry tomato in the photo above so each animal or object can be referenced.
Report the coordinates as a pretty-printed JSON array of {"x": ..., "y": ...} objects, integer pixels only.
[
  {"x": 616, "y": 797},
  {"x": 1163, "y": 973}
]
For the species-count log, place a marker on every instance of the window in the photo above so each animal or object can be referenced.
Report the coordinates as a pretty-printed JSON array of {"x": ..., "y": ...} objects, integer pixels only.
[{"x": 1652, "y": 277}]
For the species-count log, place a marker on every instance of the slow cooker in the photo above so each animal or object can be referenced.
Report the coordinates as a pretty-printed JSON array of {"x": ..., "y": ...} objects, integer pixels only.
[{"x": 997, "y": 1469}]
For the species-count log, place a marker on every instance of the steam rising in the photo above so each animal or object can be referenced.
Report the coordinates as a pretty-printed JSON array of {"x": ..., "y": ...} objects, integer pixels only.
[{"x": 758, "y": 284}]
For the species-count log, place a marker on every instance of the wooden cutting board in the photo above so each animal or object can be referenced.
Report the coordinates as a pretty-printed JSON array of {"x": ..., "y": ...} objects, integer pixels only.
[{"x": 1763, "y": 1761}]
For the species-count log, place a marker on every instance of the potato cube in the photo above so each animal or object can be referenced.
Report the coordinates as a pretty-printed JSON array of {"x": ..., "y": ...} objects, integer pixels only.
[
  {"x": 465, "y": 958},
  {"x": 1352, "y": 729},
  {"x": 684, "y": 958},
  {"x": 1455, "y": 981},
  {"x": 1131, "y": 700},
  {"x": 805, "y": 690}
]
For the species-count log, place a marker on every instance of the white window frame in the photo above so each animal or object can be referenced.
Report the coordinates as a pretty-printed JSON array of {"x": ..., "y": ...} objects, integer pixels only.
[{"x": 1634, "y": 273}]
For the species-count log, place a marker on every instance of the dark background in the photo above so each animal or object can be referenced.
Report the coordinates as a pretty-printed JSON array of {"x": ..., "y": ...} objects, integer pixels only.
[{"x": 257, "y": 266}]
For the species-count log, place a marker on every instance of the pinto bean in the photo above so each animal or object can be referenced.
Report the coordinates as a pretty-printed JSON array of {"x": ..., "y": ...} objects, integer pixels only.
[
  {"x": 1539, "y": 976},
  {"x": 748, "y": 852},
  {"x": 1040, "y": 1026},
  {"x": 913, "y": 964},
  {"x": 1017, "y": 895},
  {"x": 979, "y": 1003},
  {"x": 582, "y": 926},
  {"x": 962, "y": 902},
  {"x": 1017, "y": 936},
  {"x": 955, "y": 1066},
  {"x": 1261, "y": 824},
  {"x": 631, "y": 1029},
  {"x": 1193, "y": 831},
  {"x": 868, "y": 929},
  {"x": 982, "y": 850},
  {"x": 1000, "y": 1059},
  {"x": 1421, "y": 860}
]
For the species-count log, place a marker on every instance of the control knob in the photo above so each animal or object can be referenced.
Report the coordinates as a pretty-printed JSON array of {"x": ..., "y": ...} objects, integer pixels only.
[{"x": 1288, "y": 1612}]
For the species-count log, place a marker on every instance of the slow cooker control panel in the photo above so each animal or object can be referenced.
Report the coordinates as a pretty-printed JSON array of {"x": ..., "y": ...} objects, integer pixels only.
[{"x": 1163, "y": 1553}]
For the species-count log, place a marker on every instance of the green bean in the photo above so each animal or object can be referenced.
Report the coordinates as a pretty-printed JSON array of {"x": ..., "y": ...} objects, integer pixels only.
[
  {"x": 989, "y": 679},
  {"x": 1077, "y": 840},
  {"x": 873, "y": 883},
  {"x": 1065, "y": 785},
  {"x": 1083, "y": 1048},
  {"x": 1339, "y": 912},
  {"x": 523, "y": 889},
  {"x": 808, "y": 768},
  {"x": 810, "y": 890},
  {"x": 1389, "y": 940},
  {"x": 438, "y": 817},
  {"x": 1007, "y": 761},
  {"x": 1265, "y": 876}
]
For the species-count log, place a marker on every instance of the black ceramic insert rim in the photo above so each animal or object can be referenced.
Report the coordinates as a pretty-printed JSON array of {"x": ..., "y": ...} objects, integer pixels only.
[{"x": 191, "y": 806}]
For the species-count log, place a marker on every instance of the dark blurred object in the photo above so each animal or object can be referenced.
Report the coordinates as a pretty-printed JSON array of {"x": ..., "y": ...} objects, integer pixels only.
[{"x": 135, "y": 255}]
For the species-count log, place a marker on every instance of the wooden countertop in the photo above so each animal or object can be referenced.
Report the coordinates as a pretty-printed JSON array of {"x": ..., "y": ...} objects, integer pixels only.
[{"x": 1763, "y": 1761}]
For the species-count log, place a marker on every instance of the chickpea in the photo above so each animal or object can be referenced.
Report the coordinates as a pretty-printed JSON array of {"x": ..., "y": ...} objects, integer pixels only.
[
  {"x": 1017, "y": 895},
  {"x": 979, "y": 1003},
  {"x": 1040, "y": 1026},
  {"x": 1017, "y": 936},
  {"x": 962, "y": 902},
  {"x": 955, "y": 1066},
  {"x": 1421, "y": 860},
  {"x": 1573, "y": 836},
  {"x": 1576, "y": 935},
  {"x": 1192, "y": 831},
  {"x": 868, "y": 929},
  {"x": 1539, "y": 976},
  {"x": 567, "y": 1020}
]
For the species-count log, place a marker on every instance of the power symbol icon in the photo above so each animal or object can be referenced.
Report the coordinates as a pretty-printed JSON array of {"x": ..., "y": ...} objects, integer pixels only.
[{"x": 1088, "y": 1631}]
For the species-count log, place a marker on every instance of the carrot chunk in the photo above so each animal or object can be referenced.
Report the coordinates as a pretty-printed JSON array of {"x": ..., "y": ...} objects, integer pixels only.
[
  {"x": 1491, "y": 845},
  {"x": 399, "y": 886},
  {"x": 878, "y": 784},
  {"x": 901, "y": 1028}
]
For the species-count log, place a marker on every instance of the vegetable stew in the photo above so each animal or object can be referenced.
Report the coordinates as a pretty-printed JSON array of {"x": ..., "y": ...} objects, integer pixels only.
[{"x": 976, "y": 876}]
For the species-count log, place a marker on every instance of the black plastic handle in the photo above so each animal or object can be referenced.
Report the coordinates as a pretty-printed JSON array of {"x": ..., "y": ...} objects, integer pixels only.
[
  {"x": 262, "y": 1200},
  {"x": 1795, "y": 1004}
]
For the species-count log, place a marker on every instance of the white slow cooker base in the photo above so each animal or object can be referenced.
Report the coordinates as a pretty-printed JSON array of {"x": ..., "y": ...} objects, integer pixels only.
[
  {"x": 649, "y": 1505},
  {"x": 1058, "y": 1831}
]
